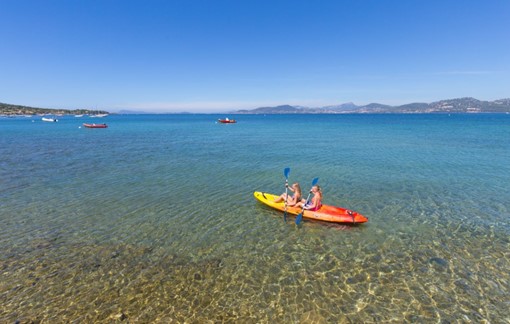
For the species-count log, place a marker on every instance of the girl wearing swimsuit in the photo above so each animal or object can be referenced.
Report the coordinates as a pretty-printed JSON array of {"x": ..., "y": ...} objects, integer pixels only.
[
  {"x": 294, "y": 199},
  {"x": 315, "y": 203}
]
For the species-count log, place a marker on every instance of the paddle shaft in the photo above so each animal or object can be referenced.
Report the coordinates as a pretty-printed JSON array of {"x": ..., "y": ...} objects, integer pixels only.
[
  {"x": 286, "y": 172},
  {"x": 300, "y": 216}
]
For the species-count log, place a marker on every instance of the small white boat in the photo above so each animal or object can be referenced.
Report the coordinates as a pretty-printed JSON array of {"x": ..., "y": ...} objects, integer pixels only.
[
  {"x": 78, "y": 116},
  {"x": 50, "y": 120},
  {"x": 98, "y": 115}
]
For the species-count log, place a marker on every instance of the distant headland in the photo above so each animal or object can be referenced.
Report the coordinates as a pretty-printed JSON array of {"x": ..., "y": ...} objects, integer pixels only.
[
  {"x": 460, "y": 105},
  {"x": 14, "y": 110}
]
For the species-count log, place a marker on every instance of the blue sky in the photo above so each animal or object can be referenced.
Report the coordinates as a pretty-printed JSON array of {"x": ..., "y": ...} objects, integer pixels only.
[{"x": 223, "y": 55}]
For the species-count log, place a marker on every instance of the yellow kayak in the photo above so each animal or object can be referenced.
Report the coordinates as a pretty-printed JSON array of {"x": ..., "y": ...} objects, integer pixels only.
[{"x": 326, "y": 213}]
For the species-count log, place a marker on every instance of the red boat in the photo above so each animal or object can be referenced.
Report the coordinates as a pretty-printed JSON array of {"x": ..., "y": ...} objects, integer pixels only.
[
  {"x": 227, "y": 121},
  {"x": 95, "y": 125}
]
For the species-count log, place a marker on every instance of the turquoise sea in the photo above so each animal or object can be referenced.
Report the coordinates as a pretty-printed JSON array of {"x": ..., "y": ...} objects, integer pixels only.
[{"x": 153, "y": 219}]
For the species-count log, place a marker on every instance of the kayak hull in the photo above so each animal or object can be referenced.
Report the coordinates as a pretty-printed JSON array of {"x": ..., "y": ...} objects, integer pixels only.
[{"x": 326, "y": 213}]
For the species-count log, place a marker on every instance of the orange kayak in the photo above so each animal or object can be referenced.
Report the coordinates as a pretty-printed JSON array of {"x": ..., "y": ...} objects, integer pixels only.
[{"x": 326, "y": 213}]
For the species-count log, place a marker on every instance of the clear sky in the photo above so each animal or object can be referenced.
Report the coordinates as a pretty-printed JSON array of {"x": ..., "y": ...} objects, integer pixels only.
[{"x": 223, "y": 55}]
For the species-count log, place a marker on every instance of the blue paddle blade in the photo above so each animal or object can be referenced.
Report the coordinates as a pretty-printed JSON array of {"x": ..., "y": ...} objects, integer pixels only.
[
  {"x": 286, "y": 172},
  {"x": 285, "y": 216},
  {"x": 299, "y": 218},
  {"x": 314, "y": 181}
]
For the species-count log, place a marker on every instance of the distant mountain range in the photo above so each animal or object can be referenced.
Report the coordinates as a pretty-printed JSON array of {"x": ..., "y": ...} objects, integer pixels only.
[{"x": 460, "y": 105}]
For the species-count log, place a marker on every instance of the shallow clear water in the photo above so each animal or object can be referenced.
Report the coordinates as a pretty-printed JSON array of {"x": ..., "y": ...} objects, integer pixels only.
[{"x": 153, "y": 219}]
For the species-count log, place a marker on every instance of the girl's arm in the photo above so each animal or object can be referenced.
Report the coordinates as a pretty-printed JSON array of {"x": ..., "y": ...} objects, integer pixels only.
[{"x": 313, "y": 203}]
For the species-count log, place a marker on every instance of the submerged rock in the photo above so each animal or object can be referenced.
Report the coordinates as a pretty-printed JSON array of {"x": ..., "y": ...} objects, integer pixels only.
[
  {"x": 119, "y": 317},
  {"x": 439, "y": 263}
]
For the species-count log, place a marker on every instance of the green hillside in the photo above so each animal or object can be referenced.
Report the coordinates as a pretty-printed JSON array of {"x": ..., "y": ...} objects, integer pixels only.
[{"x": 8, "y": 109}]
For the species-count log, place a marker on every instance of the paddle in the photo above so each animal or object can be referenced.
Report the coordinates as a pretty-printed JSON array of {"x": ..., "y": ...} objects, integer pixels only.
[
  {"x": 300, "y": 215},
  {"x": 286, "y": 172}
]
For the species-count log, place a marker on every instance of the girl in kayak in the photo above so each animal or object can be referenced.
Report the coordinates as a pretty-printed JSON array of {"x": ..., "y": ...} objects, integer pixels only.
[
  {"x": 315, "y": 203},
  {"x": 294, "y": 199}
]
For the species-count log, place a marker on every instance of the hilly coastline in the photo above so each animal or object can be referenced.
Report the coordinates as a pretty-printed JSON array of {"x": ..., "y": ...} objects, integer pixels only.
[
  {"x": 14, "y": 110},
  {"x": 460, "y": 105}
]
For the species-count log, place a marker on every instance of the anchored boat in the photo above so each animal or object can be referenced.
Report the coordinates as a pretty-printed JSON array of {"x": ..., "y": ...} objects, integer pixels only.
[
  {"x": 227, "y": 121},
  {"x": 95, "y": 125}
]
